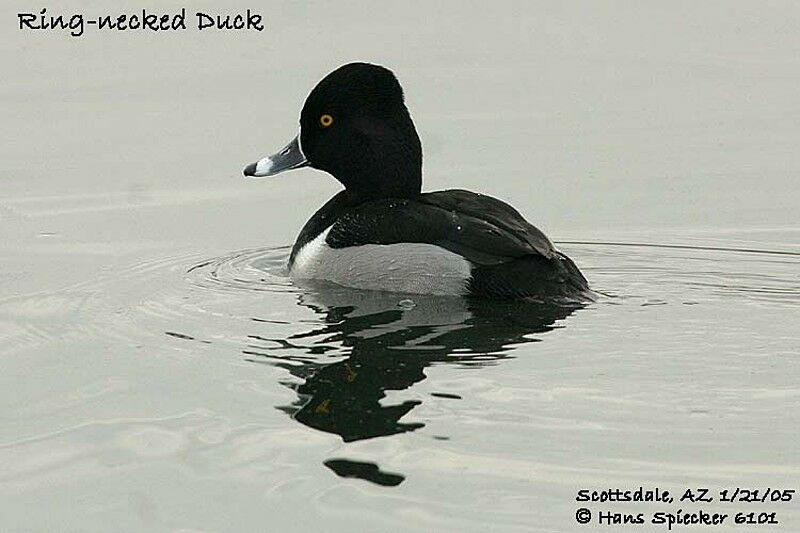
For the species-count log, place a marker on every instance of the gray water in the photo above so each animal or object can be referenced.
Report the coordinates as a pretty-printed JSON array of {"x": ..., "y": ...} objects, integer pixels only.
[{"x": 161, "y": 373}]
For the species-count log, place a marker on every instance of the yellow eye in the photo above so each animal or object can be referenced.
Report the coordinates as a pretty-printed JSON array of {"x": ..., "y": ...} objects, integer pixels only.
[{"x": 325, "y": 120}]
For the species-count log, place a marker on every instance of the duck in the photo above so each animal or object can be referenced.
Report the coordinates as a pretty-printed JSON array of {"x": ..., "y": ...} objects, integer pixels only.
[{"x": 381, "y": 232}]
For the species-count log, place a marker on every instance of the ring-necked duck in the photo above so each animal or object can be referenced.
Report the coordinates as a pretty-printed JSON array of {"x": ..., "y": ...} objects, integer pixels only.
[{"x": 381, "y": 232}]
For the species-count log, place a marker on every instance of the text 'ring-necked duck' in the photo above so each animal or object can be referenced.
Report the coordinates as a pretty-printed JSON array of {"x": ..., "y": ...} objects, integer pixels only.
[{"x": 381, "y": 232}]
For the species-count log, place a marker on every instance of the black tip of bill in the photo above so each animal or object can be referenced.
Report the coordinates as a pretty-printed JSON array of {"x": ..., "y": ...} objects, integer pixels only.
[{"x": 249, "y": 170}]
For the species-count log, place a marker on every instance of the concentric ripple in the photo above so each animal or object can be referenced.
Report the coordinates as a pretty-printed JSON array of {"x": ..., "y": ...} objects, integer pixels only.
[{"x": 256, "y": 269}]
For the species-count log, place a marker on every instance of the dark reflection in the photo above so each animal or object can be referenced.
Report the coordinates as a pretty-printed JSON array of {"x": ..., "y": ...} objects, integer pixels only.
[
  {"x": 366, "y": 471},
  {"x": 369, "y": 343}
]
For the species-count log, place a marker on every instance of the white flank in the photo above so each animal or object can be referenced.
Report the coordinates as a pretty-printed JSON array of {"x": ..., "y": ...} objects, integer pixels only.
[{"x": 406, "y": 267}]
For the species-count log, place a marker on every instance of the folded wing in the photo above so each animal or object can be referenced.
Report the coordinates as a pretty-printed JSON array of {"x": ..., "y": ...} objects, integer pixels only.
[{"x": 484, "y": 230}]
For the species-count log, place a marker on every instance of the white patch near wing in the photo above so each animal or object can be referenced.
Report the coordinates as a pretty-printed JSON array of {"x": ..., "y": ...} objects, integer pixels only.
[{"x": 406, "y": 267}]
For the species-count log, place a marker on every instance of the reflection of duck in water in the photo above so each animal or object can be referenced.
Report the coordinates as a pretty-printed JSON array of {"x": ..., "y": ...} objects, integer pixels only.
[{"x": 391, "y": 340}]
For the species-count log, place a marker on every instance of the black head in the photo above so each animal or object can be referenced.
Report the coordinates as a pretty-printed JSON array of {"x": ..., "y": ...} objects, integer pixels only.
[{"x": 355, "y": 126}]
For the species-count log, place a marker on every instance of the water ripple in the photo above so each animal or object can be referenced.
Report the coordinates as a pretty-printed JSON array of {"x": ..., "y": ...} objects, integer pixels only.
[{"x": 256, "y": 269}]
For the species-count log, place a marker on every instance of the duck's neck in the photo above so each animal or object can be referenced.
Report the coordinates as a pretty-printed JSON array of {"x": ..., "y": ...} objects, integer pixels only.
[
  {"x": 386, "y": 182},
  {"x": 386, "y": 163}
]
